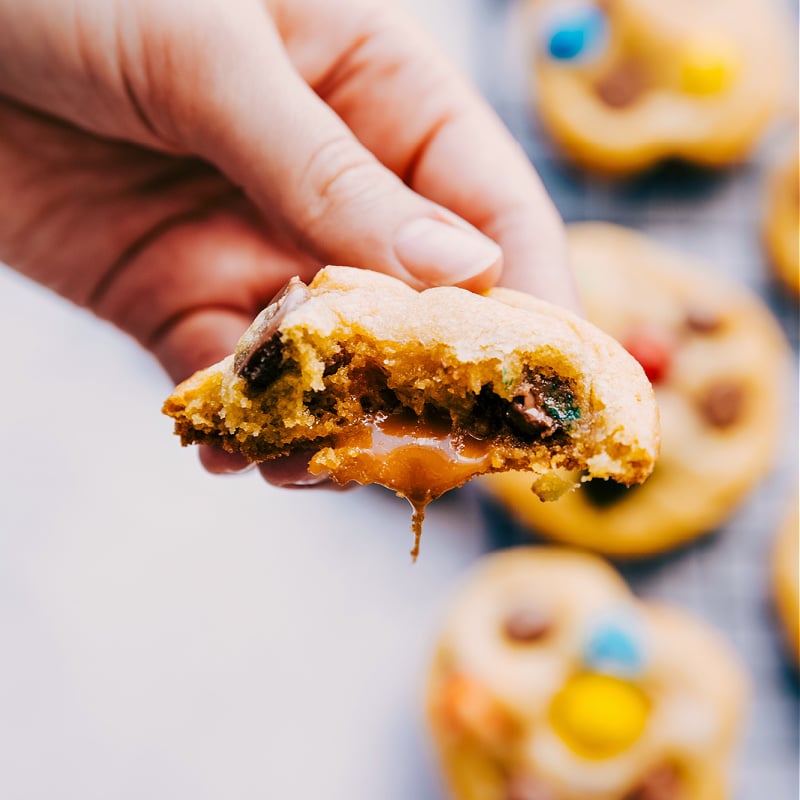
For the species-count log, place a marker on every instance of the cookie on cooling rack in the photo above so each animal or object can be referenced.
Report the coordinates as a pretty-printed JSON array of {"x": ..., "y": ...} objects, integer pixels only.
[
  {"x": 552, "y": 682},
  {"x": 717, "y": 360},
  {"x": 623, "y": 84}
]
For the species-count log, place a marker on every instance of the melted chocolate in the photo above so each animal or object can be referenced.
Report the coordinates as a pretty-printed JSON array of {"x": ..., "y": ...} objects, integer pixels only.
[
  {"x": 259, "y": 357},
  {"x": 263, "y": 365},
  {"x": 542, "y": 406}
]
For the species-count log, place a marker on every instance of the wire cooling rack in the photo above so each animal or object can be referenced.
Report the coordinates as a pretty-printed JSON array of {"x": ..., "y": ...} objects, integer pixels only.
[{"x": 723, "y": 578}]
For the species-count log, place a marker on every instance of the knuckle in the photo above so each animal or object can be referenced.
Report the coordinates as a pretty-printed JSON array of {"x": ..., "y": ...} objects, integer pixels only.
[{"x": 339, "y": 172}]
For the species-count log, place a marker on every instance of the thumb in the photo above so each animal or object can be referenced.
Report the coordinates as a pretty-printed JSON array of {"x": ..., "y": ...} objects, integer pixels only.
[{"x": 259, "y": 122}]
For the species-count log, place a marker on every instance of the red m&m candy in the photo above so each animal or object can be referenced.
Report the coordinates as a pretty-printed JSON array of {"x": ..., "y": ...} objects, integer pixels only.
[{"x": 652, "y": 351}]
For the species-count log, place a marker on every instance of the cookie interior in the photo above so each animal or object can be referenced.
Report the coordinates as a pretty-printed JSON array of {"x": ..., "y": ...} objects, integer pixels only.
[{"x": 397, "y": 415}]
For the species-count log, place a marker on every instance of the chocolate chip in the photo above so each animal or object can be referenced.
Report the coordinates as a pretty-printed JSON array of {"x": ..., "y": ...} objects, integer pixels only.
[
  {"x": 722, "y": 403},
  {"x": 543, "y": 404},
  {"x": 661, "y": 783},
  {"x": 703, "y": 320},
  {"x": 263, "y": 366},
  {"x": 259, "y": 354},
  {"x": 527, "y": 416},
  {"x": 528, "y": 787},
  {"x": 526, "y": 625},
  {"x": 623, "y": 85},
  {"x": 336, "y": 362},
  {"x": 604, "y": 493},
  {"x": 368, "y": 383},
  {"x": 488, "y": 414}
]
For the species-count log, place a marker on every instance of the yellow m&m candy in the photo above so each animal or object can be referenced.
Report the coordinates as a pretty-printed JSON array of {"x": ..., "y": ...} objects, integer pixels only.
[
  {"x": 599, "y": 716},
  {"x": 707, "y": 67}
]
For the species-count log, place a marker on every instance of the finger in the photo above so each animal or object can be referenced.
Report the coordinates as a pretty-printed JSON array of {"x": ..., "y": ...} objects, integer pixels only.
[
  {"x": 197, "y": 340},
  {"x": 291, "y": 472},
  {"x": 220, "y": 462},
  {"x": 245, "y": 108},
  {"x": 221, "y": 270},
  {"x": 190, "y": 292},
  {"x": 408, "y": 105}
]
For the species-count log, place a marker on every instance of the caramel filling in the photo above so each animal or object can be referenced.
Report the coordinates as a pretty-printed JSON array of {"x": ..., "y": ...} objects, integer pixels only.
[{"x": 420, "y": 458}]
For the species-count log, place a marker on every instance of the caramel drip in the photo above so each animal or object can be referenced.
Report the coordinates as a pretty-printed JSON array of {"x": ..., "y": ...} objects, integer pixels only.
[
  {"x": 420, "y": 458},
  {"x": 417, "y": 518}
]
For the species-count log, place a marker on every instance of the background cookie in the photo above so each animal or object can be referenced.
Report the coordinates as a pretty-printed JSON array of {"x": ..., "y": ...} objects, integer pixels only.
[
  {"x": 552, "y": 682},
  {"x": 717, "y": 360},
  {"x": 621, "y": 84},
  {"x": 786, "y": 580}
]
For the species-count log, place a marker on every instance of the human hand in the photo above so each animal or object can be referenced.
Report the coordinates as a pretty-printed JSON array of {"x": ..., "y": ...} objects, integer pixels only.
[{"x": 170, "y": 164}]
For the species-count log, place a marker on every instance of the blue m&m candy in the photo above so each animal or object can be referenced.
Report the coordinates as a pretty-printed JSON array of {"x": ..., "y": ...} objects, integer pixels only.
[
  {"x": 615, "y": 646},
  {"x": 578, "y": 31}
]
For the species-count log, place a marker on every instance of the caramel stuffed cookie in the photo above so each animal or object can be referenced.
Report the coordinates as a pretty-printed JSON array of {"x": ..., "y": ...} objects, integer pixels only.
[{"x": 420, "y": 391}]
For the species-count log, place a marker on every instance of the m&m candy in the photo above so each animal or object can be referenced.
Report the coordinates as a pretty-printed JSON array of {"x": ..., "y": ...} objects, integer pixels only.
[
  {"x": 599, "y": 716},
  {"x": 578, "y": 31},
  {"x": 707, "y": 67},
  {"x": 615, "y": 647}
]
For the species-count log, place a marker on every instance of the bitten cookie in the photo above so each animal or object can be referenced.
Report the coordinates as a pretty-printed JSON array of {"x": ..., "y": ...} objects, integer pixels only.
[
  {"x": 623, "y": 84},
  {"x": 717, "y": 360},
  {"x": 552, "y": 682},
  {"x": 420, "y": 391},
  {"x": 786, "y": 580},
  {"x": 782, "y": 223}
]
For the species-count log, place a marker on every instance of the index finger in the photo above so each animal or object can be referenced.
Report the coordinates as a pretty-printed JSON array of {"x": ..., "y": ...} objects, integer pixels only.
[{"x": 412, "y": 108}]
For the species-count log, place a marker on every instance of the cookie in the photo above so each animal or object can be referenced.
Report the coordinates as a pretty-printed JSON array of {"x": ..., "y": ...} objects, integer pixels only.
[
  {"x": 552, "y": 682},
  {"x": 786, "y": 580},
  {"x": 420, "y": 391},
  {"x": 717, "y": 360},
  {"x": 782, "y": 223},
  {"x": 623, "y": 84}
]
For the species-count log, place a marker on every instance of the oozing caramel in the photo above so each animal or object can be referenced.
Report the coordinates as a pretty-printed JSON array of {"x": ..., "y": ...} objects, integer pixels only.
[{"x": 419, "y": 458}]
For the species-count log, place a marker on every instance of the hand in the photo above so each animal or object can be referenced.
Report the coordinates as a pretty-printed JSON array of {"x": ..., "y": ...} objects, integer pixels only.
[{"x": 170, "y": 164}]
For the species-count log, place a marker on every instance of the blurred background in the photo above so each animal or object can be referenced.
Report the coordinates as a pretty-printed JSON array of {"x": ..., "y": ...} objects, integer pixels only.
[{"x": 168, "y": 634}]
